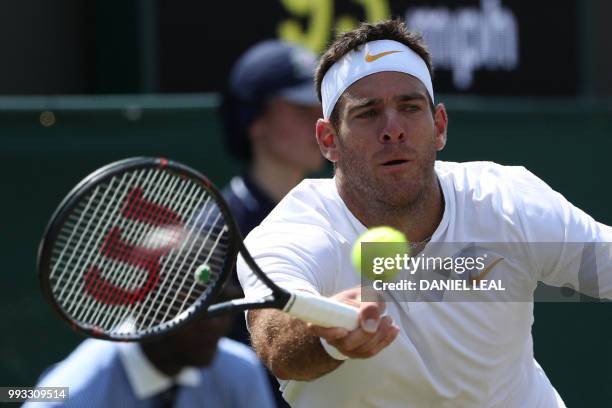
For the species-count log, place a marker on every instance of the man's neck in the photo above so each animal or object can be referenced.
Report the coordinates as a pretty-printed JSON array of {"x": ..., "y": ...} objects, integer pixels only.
[
  {"x": 418, "y": 220},
  {"x": 274, "y": 177}
]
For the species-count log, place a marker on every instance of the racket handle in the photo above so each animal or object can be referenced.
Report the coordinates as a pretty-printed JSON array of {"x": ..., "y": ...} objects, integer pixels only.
[{"x": 322, "y": 311}]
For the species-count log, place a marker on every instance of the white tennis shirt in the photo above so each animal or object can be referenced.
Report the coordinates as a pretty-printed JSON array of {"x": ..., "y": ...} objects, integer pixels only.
[{"x": 447, "y": 354}]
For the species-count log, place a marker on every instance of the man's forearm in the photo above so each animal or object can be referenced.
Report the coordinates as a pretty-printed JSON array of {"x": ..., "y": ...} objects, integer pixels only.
[{"x": 287, "y": 347}]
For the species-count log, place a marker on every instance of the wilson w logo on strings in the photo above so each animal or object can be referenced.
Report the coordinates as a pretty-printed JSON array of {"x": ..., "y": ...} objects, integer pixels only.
[{"x": 147, "y": 258}]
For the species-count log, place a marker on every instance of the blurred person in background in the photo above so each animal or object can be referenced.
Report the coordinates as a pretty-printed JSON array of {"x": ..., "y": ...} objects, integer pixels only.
[
  {"x": 194, "y": 366},
  {"x": 269, "y": 112}
]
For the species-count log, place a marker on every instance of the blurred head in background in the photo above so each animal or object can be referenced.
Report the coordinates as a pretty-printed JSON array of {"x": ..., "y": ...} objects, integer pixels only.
[
  {"x": 195, "y": 344},
  {"x": 269, "y": 111}
]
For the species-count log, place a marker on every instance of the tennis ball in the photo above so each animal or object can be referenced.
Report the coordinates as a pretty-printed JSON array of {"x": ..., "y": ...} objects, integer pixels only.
[
  {"x": 386, "y": 242},
  {"x": 202, "y": 273}
]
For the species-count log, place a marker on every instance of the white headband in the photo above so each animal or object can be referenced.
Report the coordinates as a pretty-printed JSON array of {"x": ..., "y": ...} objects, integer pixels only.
[{"x": 372, "y": 57}]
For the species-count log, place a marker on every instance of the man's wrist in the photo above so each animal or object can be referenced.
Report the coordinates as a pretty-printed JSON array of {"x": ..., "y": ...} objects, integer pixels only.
[{"x": 332, "y": 351}]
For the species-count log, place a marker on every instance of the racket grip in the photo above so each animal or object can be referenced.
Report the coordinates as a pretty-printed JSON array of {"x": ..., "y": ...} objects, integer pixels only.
[{"x": 322, "y": 311}]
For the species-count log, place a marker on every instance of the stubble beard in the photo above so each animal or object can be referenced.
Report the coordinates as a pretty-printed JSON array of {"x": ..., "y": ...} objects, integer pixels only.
[{"x": 392, "y": 196}]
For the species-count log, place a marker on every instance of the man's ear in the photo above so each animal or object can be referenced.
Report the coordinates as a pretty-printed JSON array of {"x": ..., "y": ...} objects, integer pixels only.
[
  {"x": 327, "y": 138},
  {"x": 440, "y": 126}
]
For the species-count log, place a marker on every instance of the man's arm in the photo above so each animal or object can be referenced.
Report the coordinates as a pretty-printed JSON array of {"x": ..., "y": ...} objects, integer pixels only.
[
  {"x": 287, "y": 347},
  {"x": 292, "y": 349}
]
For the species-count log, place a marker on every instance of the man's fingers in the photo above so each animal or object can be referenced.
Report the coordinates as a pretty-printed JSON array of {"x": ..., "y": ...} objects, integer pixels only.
[
  {"x": 369, "y": 320},
  {"x": 373, "y": 333},
  {"x": 352, "y": 341},
  {"x": 357, "y": 339},
  {"x": 351, "y": 302},
  {"x": 330, "y": 334},
  {"x": 369, "y": 316},
  {"x": 385, "y": 335},
  {"x": 388, "y": 339},
  {"x": 359, "y": 344},
  {"x": 383, "y": 330},
  {"x": 378, "y": 347},
  {"x": 350, "y": 296}
]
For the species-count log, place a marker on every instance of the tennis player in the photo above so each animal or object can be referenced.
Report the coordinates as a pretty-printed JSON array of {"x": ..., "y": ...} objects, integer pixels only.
[{"x": 382, "y": 129}]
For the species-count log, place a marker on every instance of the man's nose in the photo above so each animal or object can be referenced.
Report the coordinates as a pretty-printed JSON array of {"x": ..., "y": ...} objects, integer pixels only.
[{"x": 392, "y": 132}]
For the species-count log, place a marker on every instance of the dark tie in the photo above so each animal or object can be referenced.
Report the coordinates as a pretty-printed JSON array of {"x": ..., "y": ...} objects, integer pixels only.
[{"x": 166, "y": 398}]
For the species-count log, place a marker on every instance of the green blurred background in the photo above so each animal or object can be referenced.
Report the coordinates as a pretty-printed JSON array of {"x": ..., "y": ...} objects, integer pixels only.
[{"x": 117, "y": 94}]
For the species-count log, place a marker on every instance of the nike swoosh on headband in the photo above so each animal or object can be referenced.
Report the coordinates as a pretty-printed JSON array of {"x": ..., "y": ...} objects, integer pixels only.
[{"x": 371, "y": 58}]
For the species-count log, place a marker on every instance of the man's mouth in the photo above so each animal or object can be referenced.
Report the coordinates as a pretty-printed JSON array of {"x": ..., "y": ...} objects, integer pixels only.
[{"x": 394, "y": 162}]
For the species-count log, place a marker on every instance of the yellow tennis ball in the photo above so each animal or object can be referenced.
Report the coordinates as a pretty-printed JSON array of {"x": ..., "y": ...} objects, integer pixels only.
[{"x": 387, "y": 242}]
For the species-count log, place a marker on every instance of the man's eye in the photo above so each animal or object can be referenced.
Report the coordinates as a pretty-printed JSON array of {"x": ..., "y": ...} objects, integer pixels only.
[
  {"x": 411, "y": 108},
  {"x": 367, "y": 114}
]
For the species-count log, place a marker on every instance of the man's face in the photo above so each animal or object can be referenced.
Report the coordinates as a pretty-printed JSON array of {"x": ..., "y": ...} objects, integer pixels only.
[
  {"x": 196, "y": 344},
  {"x": 386, "y": 142},
  {"x": 287, "y": 132}
]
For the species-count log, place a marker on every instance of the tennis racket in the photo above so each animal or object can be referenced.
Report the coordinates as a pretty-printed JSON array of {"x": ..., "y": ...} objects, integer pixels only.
[{"x": 143, "y": 246}]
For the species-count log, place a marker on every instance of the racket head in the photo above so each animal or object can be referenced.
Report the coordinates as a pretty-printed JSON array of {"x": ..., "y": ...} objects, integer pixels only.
[{"x": 108, "y": 268}]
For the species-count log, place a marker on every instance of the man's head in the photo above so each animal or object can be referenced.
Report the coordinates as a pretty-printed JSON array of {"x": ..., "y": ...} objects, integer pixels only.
[
  {"x": 380, "y": 127},
  {"x": 393, "y": 30},
  {"x": 270, "y": 106},
  {"x": 194, "y": 344}
]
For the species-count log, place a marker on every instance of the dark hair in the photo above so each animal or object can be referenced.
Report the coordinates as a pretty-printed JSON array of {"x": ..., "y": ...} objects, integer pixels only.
[{"x": 395, "y": 30}]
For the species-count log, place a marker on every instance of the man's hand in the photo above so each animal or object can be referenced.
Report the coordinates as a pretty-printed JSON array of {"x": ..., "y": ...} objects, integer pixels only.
[
  {"x": 373, "y": 334},
  {"x": 292, "y": 349}
]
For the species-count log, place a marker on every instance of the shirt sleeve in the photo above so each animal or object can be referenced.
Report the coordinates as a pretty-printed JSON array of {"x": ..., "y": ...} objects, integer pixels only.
[
  {"x": 294, "y": 256},
  {"x": 568, "y": 247}
]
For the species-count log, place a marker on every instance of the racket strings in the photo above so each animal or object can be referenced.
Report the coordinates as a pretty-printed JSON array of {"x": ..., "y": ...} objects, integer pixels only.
[
  {"x": 128, "y": 275},
  {"x": 84, "y": 244},
  {"x": 88, "y": 248},
  {"x": 110, "y": 251},
  {"x": 125, "y": 258},
  {"x": 97, "y": 259},
  {"x": 216, "y": 266},
  {"x": 171, "y": 283},
  {"x": 188, "y": 280},
  {"x": 132, "y": 275}
]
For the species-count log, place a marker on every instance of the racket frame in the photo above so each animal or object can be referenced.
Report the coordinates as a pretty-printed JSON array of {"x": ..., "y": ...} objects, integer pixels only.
[{"x": 71, "y": 200}]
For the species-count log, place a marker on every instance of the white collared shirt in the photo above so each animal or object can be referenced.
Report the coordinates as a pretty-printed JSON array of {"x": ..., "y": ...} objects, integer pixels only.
[{"x": 146, "y": 380}]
